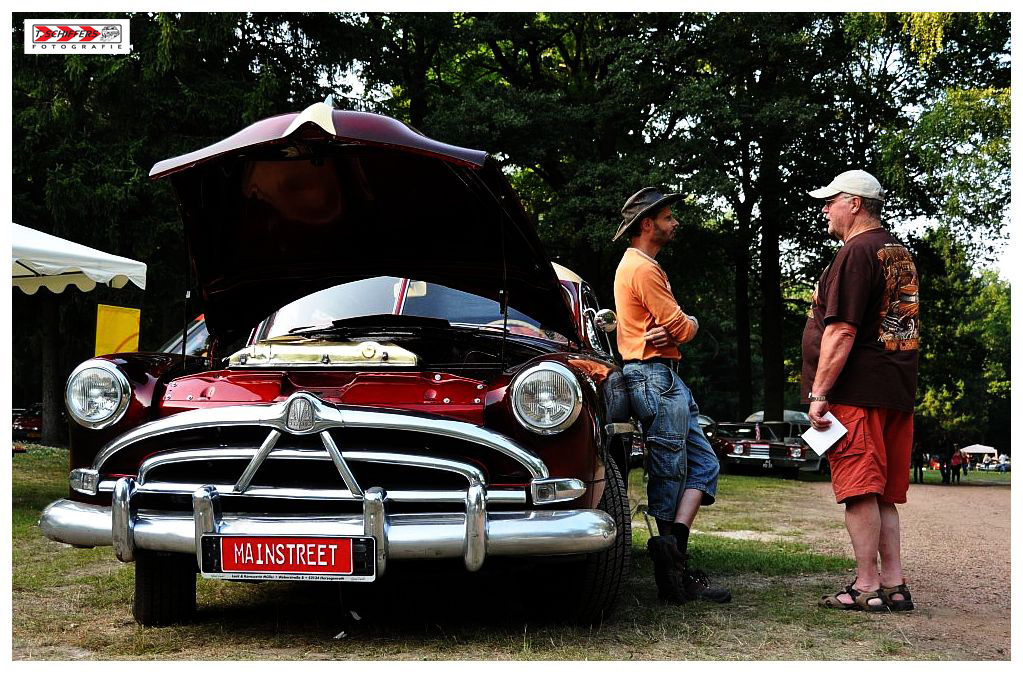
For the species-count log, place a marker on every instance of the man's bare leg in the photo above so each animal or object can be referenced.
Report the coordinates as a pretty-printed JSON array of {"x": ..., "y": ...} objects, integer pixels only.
[
  {"x": 688, "y": 506},
  {"x": 863, "y": 521},
  {"x": 889, "y": 545}
]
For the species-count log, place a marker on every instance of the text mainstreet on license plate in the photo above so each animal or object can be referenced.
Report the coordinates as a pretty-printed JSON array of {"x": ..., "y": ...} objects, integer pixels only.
[{"x": 278, "y": 557}]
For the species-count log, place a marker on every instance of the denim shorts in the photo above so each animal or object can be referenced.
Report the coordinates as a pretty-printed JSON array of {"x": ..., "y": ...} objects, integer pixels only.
[{"x": 679, "y": 456}]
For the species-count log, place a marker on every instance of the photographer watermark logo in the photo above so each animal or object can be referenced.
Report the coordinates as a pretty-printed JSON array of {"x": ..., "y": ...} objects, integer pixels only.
[{"x": 56, "y": 36}]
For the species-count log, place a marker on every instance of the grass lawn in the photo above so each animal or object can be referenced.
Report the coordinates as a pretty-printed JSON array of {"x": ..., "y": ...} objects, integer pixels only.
[
  {"x": 974, "y": 477},
  {"x": 76, "y": 604}
]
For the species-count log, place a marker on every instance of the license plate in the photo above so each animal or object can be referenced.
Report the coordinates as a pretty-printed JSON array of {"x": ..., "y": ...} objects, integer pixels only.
[
  {"x": 767, "y": 465},
  {"x": 292, "y": 558}
]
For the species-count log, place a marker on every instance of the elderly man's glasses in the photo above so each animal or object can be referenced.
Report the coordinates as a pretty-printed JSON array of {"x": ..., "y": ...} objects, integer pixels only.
[{"x": 828, "y": 202}]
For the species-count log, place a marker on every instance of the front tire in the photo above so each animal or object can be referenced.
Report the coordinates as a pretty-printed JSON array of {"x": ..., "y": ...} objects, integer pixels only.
[
  {"x": 164, "y": 588},
  {"x": 595, "y": 583}
]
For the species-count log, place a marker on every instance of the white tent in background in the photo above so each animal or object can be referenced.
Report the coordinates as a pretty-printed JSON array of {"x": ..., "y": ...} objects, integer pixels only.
[
  {"x": 980, "y": 448},
  {"x": 42, "y": 260}
]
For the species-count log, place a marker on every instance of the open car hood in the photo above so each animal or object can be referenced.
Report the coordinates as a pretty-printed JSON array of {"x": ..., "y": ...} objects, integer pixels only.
[{"x": 304, "y": 201}]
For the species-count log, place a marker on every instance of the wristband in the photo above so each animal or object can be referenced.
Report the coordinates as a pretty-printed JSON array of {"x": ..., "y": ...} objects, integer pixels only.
[{"x": 816, "y": 398}]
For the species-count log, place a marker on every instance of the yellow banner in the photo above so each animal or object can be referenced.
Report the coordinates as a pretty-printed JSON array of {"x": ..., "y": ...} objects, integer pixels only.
[{"x": 117, "y": 329}]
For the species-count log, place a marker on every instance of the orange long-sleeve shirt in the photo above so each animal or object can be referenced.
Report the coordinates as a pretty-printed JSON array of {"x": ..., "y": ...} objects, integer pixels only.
[{"x": 643, "y": 300}]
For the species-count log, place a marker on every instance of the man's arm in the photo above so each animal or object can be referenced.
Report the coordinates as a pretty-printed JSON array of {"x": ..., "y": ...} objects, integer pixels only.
[
  {"x": 660, "y": 337},
  {"x": 655, "y": 296},
  {"x": 836, "y": 343}
]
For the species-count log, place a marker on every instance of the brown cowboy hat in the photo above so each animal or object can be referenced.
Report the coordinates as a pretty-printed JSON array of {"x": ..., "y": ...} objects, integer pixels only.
[{"x": 642, "y": 203}]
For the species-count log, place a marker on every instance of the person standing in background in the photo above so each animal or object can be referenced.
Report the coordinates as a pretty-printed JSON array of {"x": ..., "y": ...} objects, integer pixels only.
[{"x": 918, "y": 464}]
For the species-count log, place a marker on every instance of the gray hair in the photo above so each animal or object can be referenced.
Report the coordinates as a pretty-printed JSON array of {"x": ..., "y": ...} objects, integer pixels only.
[{"x": 872, "y": 207}]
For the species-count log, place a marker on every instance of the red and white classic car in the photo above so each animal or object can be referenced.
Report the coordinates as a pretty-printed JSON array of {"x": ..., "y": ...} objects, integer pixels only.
[{"x": 419, "y": 383}]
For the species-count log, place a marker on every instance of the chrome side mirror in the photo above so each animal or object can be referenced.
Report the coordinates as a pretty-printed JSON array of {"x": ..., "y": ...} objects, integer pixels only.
[{"x": 606, "y": 320}]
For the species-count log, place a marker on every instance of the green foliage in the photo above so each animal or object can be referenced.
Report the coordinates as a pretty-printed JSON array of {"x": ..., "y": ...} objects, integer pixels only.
[
  {"x": 965, "y": 339},
  {"x": 742, "y": 112}
]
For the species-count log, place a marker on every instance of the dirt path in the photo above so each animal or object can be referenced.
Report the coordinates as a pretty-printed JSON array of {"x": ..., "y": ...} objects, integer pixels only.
[{"x": 956, "y": 555}]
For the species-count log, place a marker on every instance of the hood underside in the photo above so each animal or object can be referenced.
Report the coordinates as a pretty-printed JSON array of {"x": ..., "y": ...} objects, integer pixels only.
[{"x": 301, "y": 202}]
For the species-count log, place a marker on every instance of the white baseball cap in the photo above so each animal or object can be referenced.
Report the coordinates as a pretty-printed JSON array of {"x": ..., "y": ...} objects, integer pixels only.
[{"x": 856, "y": 182}]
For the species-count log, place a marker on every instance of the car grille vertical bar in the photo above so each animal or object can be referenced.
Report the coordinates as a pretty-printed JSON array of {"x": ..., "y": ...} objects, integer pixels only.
[
  {"x": 375, "y": 523},
  {"x": 264, "y": 450},
  {"x": 340, "y": 464},
  {"x": 122, "y": 519},
  {"x": 475, "y": 551},
  {"x": 206, "y": 513}
]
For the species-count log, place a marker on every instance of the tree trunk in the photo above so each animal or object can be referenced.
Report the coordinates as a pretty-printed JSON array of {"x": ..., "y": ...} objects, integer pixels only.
[
  {"x": 48, "y": 366},
  {"x": 772, "y": 308},
  {"x": 743, "y": 354}
]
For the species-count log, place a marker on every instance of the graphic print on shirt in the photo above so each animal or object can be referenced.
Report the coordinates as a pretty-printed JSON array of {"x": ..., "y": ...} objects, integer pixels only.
[{"x": 900, "y": 308}]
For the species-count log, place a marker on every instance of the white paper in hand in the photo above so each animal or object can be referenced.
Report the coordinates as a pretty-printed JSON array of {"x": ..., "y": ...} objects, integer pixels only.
[{"x": 822, "y": 440}]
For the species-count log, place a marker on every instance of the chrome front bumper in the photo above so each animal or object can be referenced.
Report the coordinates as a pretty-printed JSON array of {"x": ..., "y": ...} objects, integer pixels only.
[{"x": 472, "y": 535}]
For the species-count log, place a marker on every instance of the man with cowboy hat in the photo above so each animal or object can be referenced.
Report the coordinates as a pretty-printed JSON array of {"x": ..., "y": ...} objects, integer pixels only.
[{"x": 682, "y": 466}]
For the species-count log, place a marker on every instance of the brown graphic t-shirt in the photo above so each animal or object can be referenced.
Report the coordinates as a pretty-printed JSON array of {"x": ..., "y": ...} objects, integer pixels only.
[{"x": 872, "y": 283}]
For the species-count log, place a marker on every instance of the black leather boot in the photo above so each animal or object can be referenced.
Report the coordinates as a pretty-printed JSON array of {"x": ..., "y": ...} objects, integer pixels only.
[{"x": 664, "y": 552}]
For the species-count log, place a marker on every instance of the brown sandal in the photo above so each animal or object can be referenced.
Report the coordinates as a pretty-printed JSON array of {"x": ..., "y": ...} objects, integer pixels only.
[
  {"x": 861, "y": 600},
  {"x": 904, "y": 604}
]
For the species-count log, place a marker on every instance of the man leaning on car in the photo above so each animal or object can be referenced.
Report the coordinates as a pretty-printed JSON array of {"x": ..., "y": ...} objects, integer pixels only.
[{"x": 683, "y": 468}]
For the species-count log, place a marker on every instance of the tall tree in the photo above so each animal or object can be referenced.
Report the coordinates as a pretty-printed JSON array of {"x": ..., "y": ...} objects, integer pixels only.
[
  {"x": 88, "y": 129},
  {"x": 964, "y": 313}
]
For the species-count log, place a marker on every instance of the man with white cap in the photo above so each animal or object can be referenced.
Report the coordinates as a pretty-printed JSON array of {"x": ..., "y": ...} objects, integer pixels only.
[
  {"x": 682, "y": 466},
  {"x": 860, "y": 348}
]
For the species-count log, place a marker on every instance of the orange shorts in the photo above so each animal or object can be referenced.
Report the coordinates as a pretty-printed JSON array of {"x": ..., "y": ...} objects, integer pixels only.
[{"x": 873, "y": 456}]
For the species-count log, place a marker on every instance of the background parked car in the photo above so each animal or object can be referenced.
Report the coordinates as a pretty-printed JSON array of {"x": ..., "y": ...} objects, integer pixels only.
[
  {"x": 758, "y": 445},
  {"x": 28, "y": 424}
]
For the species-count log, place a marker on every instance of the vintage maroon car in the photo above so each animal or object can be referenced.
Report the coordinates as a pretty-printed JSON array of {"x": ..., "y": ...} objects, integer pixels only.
[
  {"x": 418, "y": 384},
  {"x": 758, "y": 445},
  {"x": 29, "y": 423}
]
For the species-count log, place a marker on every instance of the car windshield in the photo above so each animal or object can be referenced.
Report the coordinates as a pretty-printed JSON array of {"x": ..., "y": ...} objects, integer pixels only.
[
  {"x": 195, "y": 344},
  {"x": 390, "y": 295}
]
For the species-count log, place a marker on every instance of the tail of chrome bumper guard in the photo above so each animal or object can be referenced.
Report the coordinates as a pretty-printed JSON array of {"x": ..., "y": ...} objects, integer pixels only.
[{"x": 471, "y": 536}]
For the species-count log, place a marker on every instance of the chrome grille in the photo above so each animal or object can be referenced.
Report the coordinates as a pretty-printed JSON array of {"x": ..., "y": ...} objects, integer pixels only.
[
  {"x": 251, "y": 452},
  {"x": 762, "y": 451}
]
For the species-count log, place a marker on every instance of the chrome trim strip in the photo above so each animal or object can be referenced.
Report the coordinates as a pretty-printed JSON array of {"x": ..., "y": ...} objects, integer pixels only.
[
  {"x": 340, "y": 464},
  {"x": 187, "y": 456},
  {"x": 509, "y": 496},
  {"x": 328, "y": 416},
  {"x": 245, "y": 480},
  {"x": 409, "y": 536},
  {"x": 122, "y": 519},
  {"x": 472, "y": 473}
]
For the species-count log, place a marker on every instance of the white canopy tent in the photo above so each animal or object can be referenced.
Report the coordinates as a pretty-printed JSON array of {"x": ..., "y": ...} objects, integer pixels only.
[
  {"x": 41, "y": 260},
  {"x": 980, "y": 448}
]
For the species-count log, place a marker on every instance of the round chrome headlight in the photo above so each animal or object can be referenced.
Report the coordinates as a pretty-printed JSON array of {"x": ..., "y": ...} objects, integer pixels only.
[
  {"x": 546, "y": 398},
  {"x": 97, "y": 394}
]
